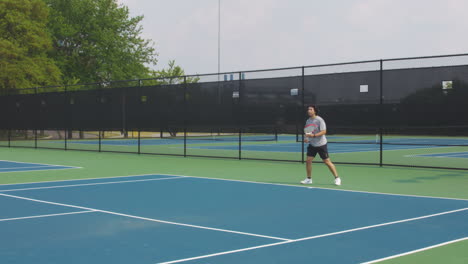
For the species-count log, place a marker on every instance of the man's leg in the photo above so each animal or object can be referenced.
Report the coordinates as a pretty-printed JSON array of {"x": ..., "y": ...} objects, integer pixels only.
[
  {"x": 309, "y": 166},
  {"x": 331, "y": 167},
  {"x": 308, "y": 180}
]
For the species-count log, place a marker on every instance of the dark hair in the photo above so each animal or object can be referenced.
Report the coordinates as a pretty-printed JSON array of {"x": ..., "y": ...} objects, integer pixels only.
[{"x": 315, "y": 108}]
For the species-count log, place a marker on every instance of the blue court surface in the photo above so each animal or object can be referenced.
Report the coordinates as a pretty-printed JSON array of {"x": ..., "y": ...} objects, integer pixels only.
[
  {"x": 14, "y": 166},
  {"x": 428, "y": 141},
  {"x": 297, "y": 148},
  {"x": 180, "y": 140},
  {"x": 271, "y": 146},
  {"x": 176, "y": 141},
  {"x": 399, "y": 143},
  {"x": 181, "y": 219},
  {"x": 463, "y": 155}
]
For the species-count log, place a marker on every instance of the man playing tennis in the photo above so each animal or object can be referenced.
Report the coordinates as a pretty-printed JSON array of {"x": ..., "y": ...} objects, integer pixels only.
[{"x": 315, "y": 130}]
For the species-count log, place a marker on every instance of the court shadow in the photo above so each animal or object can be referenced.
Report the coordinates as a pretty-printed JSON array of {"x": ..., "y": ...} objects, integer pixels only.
[{"x": 431, "y": 178}]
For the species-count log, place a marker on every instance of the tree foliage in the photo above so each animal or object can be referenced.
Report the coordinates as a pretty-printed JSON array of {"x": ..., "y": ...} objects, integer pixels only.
[
  {"x": 172, "y": 75},
  {"x": 56, "y": 42},
  {"x": 98, "y": 41},
  {"x": 24, "y": 45}
]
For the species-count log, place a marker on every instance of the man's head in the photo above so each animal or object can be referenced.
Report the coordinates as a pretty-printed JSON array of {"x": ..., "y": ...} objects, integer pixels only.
[{"x": 312, "y": 110}]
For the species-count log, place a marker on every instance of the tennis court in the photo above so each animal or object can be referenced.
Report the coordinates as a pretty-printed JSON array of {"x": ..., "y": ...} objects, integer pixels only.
[
  {"x": 14, "y": 166},
  {"x": 214, "y": 211},
  {"x": 206, "y": 168},
  {"x": 462, "y": 155},
  {"x": 217, "y": 221}
]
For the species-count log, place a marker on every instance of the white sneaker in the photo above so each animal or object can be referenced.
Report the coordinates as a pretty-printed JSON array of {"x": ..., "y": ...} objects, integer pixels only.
[
  {"x": 337, "y": 181},
  {"x": 307, "y": 181}
]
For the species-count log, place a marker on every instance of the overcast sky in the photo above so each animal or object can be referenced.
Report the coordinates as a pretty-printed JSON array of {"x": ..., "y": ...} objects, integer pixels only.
[{"x": 263, "y": 34}]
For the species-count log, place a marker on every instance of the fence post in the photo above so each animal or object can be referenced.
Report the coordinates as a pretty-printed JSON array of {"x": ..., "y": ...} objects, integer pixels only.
[
  {"x": 99, "y": 133},
  {"x": 302, "y": 109},
  {"x": 240, "y": 123},
  {"x": 124, "y": 112},
  {"x": 68, "y": 121},
  {"x": 139, "y": 142},
  {"x": 139, "y": 128},
  {"x": 35, "y": 126},
  {"x": 381, "y": 114},
  {"x": 185, "y": 116}
]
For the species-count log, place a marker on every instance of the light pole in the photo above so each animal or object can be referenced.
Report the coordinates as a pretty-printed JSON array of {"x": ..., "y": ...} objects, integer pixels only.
[
  {"x": 219, "y": 51},
  {"x": 219, "y": 38}
]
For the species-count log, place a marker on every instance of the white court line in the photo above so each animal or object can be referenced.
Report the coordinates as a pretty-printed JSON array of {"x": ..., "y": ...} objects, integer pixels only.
[
  {"x": 229, "y": 180},
  {"x": 21, "y": 171},
  {"x": 113, "y": 177},
  {"x": 145, "y": 218},
  {"x": 312, "y": 237},
  {"x": 461, "y": 155},
  {"x": 320, "y": 188},
  {"x": 415, "y": 251},
  {"x": 391, "y": 194},
  {"x": 34, "y": 167},
  {"x": 235, "y": 181},
  {"x": 90, "y": 184},
  {"x": 37, "y": 163},
  {"x": 444, "y": 153},
  {"x": 458, "y": 154},
  {"x": 48, "y": 215},
  {"x": 30, "y": 167}
]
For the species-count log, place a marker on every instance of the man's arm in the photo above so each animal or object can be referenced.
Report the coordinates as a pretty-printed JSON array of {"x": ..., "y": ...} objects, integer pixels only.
[
  {"x": 323, "y": 128},
  {"x": 321, "y": 133}
]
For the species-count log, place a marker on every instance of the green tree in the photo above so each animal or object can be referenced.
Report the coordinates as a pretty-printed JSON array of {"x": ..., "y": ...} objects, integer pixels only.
[
  {"x": 24, "y": 45},
  {"x": 172, "y": 75},
  {"x": 98, "y": 41}
]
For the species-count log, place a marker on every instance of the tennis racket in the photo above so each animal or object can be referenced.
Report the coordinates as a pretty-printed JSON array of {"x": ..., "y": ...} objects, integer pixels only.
[{"x": 308, "y": 130}]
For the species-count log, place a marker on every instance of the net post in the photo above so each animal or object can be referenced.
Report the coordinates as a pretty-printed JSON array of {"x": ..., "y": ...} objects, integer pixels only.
[{"x": 9, "y": 138}]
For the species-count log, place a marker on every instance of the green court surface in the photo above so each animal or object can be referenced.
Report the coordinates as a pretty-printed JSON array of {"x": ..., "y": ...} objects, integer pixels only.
[
  {"x": 453, "y": 253},
  {"x": 395, "y": 180}
]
